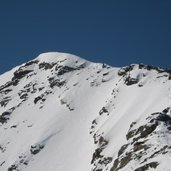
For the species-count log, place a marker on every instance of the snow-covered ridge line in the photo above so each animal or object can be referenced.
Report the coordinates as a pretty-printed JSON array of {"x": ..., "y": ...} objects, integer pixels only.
[{"x": 72, "y": 114}]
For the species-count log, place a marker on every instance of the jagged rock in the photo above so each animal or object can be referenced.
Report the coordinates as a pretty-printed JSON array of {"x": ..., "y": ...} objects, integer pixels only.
[
  {"x": 56, "y": 82},
  {"x": 24, "y": 96},
  {"x": 123, "y": 71},
  {"x": 149, "y": 67},
  {"x": 37, "y": 99},
  {"x": 105, "y": 161},
  {"x": 166, "y": 110},
  {"x": 98, "y": 159},
  {"x": 7, "y": 85},
  {"x": 2, "y": 148},
  {"x": 146, "y": 130},
  {"x": 4, "y": 117},
  {"x": 65, "y": 69},
  {"x": 147, "y": 166},
  {"x": 13, "y": 126},
  {"x": 169, "y": 78},
  {"x": 94, "y": 122},
  {"x": 5, "y": 101},
  {"x": 115, "y": 165},
  {"x": 2, "y": 163},
  {"x": 120, "y": 163},
  {"x": 103, "y": 110},
  {"x": 141, "y": 66},
  {"x": 46, "y": 66},
  {"x": 131, "y": 81},
  {"x": 107, "y": 73},
  {"x": 20, "y": 74},
  {"x": 12, "y": 168},
  {"x": 139, "y": 146},
  {"x": 6, "y": 91},
  {"x": 105, "y": 66},
  {"x": 36, "y": 148},
  {"x": 143, "y": 131},
  {"x": 41, "y": 88},
  {"x": 102, "y": 142},
  {"x": 122, "y": 149},
  {"x": 166, "y": 119},
  {"x": 140, "y": 85},
  {"x": 96, "y": 155}
]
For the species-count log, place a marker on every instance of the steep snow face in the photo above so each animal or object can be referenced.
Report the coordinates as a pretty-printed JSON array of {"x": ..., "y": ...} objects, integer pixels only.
[{"x": 60, "y": 112}]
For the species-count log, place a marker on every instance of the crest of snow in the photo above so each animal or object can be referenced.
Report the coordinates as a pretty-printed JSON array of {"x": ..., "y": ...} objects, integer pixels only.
[
  {"x": 61, "y": 123},
  {"x": 64, "y": 58}
]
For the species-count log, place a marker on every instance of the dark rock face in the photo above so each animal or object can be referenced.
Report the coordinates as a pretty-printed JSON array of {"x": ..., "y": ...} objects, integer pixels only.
[
  {"x": 65, "y": 69},
  {"x": 24, "y": 96},
  {"x": 5, "y": 91},
  {"x": 5, "y": 101},
  {"x": 125, "y": 70},
  {"x": 96, "y": 155},
  {"x": 37, "y": 99},
  {"x": 139, "y": 146},
  {"x": 154, "y": 121},
  {"x": 98, "y": 159},
  {"x": 138, "y": 143},
  {"x": 103, "y": 110},
  {"x": 12, "y": 168},
  {"x": 122, "y": 149},
  {"x": 7, "y": 85},
  {"x": 119, "y": 164},
  {"x": 46, "y": 66},
  {"x": 105, "y": 66},
  {"x": 56, "y": 82},
  {"x": 147, "y": 166},
  {"x": 36, "y": 148},
  {"x": 149, "y": 67},
  {"x": 5, "y": 116},
  {"x": 125, "y": 73},
  {"x": 131, "y": 81},
  {"x": 169, "y": 78},
  {"x": 143, "y": 131},
  {"x": 159, "y": 70},
  {"x": 24, "y": 159},
  {"x": 166, "y": 119},
  {"x": 21, "y": 73},
  {"x": 42, "y": 97},
  {"x": 17, "y": 165}
]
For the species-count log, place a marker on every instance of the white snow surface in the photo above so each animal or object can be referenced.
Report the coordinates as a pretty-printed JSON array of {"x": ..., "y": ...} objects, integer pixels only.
[{"x": 53, "y": 112}]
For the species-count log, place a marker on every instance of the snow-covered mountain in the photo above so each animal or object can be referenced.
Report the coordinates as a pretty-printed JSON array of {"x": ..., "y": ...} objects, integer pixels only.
[{"x": 59, "y": 112}]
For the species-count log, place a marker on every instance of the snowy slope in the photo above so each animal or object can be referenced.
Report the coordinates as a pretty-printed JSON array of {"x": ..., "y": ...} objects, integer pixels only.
[{"x": 59, "y": 112}]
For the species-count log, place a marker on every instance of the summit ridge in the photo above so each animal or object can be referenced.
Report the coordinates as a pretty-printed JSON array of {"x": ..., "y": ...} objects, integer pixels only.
[{"x": 59, "y": 112}]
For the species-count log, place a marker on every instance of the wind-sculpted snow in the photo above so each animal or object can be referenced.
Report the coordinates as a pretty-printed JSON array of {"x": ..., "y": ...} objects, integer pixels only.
[{"x": 59, "y": 112}]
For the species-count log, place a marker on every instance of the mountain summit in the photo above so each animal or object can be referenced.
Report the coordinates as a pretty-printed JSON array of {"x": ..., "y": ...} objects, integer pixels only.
[{"x": 59, "y": 112}]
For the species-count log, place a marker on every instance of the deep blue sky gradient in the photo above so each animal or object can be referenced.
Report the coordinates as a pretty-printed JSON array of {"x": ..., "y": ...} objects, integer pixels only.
[{"x": 117, "y": 32}]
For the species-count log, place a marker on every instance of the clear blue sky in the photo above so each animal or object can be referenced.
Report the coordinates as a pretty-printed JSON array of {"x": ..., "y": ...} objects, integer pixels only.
[{"x": 117, "y": 32}]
